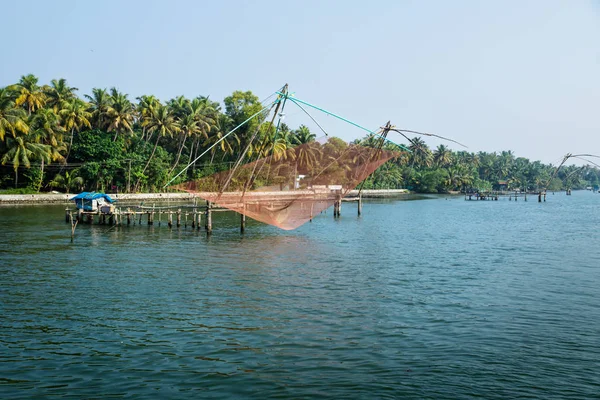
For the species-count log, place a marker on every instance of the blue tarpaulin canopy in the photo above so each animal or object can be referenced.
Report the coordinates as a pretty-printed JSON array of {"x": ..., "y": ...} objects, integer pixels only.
[{"x": 92, "y": 196}]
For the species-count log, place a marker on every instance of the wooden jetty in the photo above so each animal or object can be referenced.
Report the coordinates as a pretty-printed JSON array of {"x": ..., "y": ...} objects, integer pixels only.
[
  {"x": 495, "y": 195},
  {"x": 194, "y": 215}
]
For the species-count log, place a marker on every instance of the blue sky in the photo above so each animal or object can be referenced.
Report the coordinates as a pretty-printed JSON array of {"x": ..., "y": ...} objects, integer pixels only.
[{"x": 495, "y": 75}]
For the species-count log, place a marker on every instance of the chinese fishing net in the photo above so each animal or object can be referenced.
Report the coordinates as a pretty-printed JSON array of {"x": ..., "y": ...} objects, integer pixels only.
[{"x": 290, "y": 187}]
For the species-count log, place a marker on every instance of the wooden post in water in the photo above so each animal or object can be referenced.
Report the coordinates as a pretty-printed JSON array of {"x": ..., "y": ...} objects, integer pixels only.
[
  {"x": 193, "y": 218},
  {"x": 242, "y": 223},
  {"x": 128, "y": 216},
  {"x": 170, "y": 220},
  {"x": 73, "y": 226},
  {"x": 359, "y": 204},
  {"x": 179, "y": 217},
  {"x": 540, "y": 197},
  {"x": 208, "y": 225},
  {"x": 67, "y": 215},
  {"x": 150, "y": 218},
  {"x": 544, "y": 196},
  {"x": 199, "y": 223}
]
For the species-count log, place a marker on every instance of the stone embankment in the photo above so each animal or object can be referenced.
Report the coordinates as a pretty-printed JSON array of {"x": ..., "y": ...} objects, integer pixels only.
[{"x": 62, "y": 198}]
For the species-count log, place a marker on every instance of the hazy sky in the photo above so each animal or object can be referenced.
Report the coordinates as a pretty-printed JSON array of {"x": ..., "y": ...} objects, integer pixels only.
[{"x": 496, "y": 75}]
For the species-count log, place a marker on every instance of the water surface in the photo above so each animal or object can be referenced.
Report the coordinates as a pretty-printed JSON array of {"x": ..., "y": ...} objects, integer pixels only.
[{"x": 439, "y": 298}]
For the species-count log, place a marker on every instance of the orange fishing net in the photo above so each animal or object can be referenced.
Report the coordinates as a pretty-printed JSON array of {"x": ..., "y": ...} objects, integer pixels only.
[{"x": 290, "y": 187}]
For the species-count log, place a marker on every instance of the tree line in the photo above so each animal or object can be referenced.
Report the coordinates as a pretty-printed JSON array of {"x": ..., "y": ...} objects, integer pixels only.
[{"x": 52, "y": 139}]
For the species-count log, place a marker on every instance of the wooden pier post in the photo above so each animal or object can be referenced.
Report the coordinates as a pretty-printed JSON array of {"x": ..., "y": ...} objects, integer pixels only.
[
  {"x": 242, "y": 223},
  {"x": 359, "y": 204},
  {"x": 540, "y": 197},
  {"x": 208, "y": 225},
  {"x": 111, "y": 219},
  {"x": 67, "y": 215},
  {"x": 128, "y": 216},
  {"x": 179, "y": 217},
  {"x": 170, "y": 220},
  {"x": 544, "y": 196},
  {"x": 73, "y": 226},
  {"x": 194, "y": 218},
  {"x": 150, "y": 218}
]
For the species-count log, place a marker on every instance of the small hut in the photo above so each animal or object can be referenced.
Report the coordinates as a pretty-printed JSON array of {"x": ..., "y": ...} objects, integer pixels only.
[{"x": 92, "y": 201}]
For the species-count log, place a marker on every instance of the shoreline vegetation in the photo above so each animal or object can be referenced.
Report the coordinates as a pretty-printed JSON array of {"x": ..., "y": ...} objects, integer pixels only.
[{"x": 53, "y": 140}]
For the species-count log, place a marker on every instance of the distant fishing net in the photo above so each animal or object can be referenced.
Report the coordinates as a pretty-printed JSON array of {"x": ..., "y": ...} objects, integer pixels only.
[{"x": 290, "y": 187}]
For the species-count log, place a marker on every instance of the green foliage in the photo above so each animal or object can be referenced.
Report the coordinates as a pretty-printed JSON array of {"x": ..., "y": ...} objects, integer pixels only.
[{"x": 118, "y": 145}]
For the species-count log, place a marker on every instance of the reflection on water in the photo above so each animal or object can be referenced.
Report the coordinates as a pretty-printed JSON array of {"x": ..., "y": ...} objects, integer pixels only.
[{"x": 425, "y": 299}]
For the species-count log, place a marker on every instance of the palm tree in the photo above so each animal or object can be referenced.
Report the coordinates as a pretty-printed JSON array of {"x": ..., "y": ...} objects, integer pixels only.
[
  {"x": 303, "y": 135},
  {"x": 58, "y": 93},
  {"x": 74, "y": 117},
  {"x": 21, "y": 150},
  {"x": 119, "y": 114},
  {"x": 99, "y": 102},
  {"x": 442, "y": 156},
  {"x": 188, "y": 127},
  {"x": 12, "y": 118},
  {"x": 29, "y": 94},
  {"x": 226, "y": 146},
  {"x": 161, "y": 122},
  {"x": 146, "y": 103},
  {"x": 46, "y": 129},
  {"x": 421, "y": 155},
  {"x": 68, "y": 181}
]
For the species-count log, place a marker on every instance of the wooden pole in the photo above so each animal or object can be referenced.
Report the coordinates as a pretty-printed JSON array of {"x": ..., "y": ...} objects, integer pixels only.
[
  {"x": 128, "y": 216},
  {"x": 359, "y": 204},
  {"x": 67, "y": 215},
  {"x": 179, "y": 217},
  {"x": 150, "y": 218},
  {"x": 242, "y": 223},
  {"x": 73, "y": 226},
  {"x": 170, "y": 219},
  {"x": 208, "y": 218}
]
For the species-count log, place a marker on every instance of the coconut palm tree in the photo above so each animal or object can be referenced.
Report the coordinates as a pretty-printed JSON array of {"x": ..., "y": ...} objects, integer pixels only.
[
  {"x": 226, "y": 146},
  {"x": 421, "y": 155},
  {"x": 119, "y": 114},
  {"x": 46, "y": 129},
  {"x": 442, "y": 156},
  {"x": 99, "y": 103},
  {"x": 75, "y": 116},
  {"x": 29, "y": 94},
  {"x": 161, "y": 122},
  {"x": 68, "y": 181},
  {"x": 12, "y": 118},
  {"x": 21, "y": 149},
  {"x": 58, "y": 93},
  {"x": 303, "y": 135},
  {"x": 188, "y": 127},
  {"x": 146, "y": 103}
]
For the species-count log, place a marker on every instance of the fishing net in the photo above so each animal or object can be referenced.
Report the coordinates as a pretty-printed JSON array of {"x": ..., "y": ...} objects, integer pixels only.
[{"x": 291, "y": 186}]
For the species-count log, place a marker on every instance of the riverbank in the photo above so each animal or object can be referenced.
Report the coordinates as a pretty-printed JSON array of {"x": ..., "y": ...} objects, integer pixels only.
[{"x": 63, "y": 198}]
